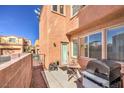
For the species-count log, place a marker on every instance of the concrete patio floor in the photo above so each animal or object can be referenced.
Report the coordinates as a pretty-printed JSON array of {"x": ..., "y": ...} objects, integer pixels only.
[
  {"x": 59, "y": 79},
  {"x": 42, "y": 78}
]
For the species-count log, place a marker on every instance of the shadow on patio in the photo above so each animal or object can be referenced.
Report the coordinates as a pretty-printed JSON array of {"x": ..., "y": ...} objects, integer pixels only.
[
  {"x": 59, "y": 79},
  {"x": 42, "y": 78},
  {"x": 37, "y": 78}
]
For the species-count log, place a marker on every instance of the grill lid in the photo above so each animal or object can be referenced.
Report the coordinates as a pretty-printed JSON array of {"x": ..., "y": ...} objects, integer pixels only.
[{"x": 103, "y": 68}]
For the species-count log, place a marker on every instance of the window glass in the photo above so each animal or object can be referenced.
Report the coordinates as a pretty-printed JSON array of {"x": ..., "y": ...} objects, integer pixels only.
[
  {"x": 62, "y": 9},
  {"x": 12, "y": 40},
  {"x": 75, "y": 9},
  {"x": 54, "y": 8},
  {"x": 115, "y": 44},
  {"x": 75, "y": 48},
  {"x": 95, "y": 47}
]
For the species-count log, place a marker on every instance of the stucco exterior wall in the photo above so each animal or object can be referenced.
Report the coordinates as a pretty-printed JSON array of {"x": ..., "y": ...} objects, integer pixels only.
[
  {"x": 93, "y": 19},
  {"x": 54, "y": 27},
  {"x": 90, "y": 14},
  {"x": 43, "y": 34},
  {"x": 12, "y": 47},
  {"x": 57, "y": 34},
  {"x": 16, "y": 73},
  {"x": 52, "y": 33}
]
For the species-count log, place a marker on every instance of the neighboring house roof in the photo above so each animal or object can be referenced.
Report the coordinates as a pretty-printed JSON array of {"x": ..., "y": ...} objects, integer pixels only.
[{"x": 12, "y": 36}]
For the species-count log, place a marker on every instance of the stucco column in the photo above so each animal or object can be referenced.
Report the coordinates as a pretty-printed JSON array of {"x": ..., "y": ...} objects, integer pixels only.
[{"x": 104, "y": 45}]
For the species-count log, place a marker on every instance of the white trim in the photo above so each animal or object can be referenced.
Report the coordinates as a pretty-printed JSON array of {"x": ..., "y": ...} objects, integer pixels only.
[
  {"x": 88, "y": 47},
  {"x": 53, "y": 10},
  {"x": 72, "y": 48},
  {"x": 63, "y": 10},
  {"x": 61, "y": 64},
  {"x": 71, "y": 16},
  {"x": 100, "y": 31},
  {"x": 104, "y": 44},
  {"x": 107, "y": 30},
  {"x": 88, "y": 35},
  {"x": 72, "y": 12},
  {"x": 58, "y": 10}
]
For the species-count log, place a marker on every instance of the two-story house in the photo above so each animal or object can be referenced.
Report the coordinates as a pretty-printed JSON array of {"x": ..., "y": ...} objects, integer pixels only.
[
  {"x": 12, "y": 44},
  {"x": 80, "y": 33}
]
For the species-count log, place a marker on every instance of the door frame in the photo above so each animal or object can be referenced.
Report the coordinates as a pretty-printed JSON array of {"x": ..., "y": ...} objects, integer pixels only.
[{"x": 61, "y": 53}]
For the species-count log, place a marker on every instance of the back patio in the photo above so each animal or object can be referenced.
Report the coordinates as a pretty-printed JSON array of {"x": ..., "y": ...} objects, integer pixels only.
[
  {"x": 59, "y": 79},
  {"x": 52, "y": 79}
]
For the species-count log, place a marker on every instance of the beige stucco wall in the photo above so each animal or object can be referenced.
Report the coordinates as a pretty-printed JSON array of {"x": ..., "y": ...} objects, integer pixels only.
[
  {"x": 52, "y": 32},
  {"x": 16, "y": 73},
  {"x": 54, "y": 27},
  {"x": 7, "y": 47}
]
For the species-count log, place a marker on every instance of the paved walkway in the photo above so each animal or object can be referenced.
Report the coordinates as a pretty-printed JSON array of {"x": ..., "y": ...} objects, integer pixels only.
[
  {"x": 37, "y": 78},
  {"x": 59, "y": 79}
]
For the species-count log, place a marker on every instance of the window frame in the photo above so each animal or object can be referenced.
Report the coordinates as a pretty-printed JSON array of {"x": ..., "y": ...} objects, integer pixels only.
[
  {"x": 11, "y": 40},
  {"x": 88, "y": 45},
  {"x": 87, "y": 35},
  {"x": 107, "y": 30},
  {"x": 52, "y": 8},
  {"x": 72, "y": 48},
  {"x": 73, "y": 15},
  {"x": 58, "y": 10},
  {"x": 63, "y": 9}
]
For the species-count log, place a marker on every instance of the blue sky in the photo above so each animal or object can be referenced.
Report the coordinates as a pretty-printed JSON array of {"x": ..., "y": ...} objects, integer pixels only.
[{"x": 19, "y": 21}]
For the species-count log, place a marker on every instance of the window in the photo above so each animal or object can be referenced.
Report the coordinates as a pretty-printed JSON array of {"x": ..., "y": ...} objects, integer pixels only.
[
  {"x": 95, "y": 47},
  {"x": 75, "y": 9},
  {"x": 74, "y": 48},
  {"x": 91, "y": 46},
  {"x": 54, "y": 8},
  {"x": 115, "y": 44},
  {"x": 58, "y": 9},
  {"x": 13, "y": 40},
  {"x": 62, "y": 9},
  {"x": 84, "y": 46}
]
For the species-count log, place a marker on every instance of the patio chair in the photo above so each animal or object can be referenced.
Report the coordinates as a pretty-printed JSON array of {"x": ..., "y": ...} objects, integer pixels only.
[{"x": 71, "y": 73}]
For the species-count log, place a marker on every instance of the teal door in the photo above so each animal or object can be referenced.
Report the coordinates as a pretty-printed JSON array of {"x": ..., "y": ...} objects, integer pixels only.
[{"x": 64, "y": 53}]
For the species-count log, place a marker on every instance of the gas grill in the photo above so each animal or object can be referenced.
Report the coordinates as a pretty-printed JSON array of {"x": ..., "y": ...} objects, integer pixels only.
[{"x": 102, "y": 73}]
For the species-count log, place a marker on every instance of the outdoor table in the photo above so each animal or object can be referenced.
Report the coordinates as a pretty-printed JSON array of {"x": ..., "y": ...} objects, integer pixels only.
[{"x": 74, "y": 69}]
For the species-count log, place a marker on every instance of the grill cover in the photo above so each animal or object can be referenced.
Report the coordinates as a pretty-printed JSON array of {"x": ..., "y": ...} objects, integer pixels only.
[{"x": 106, "y": 69}]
